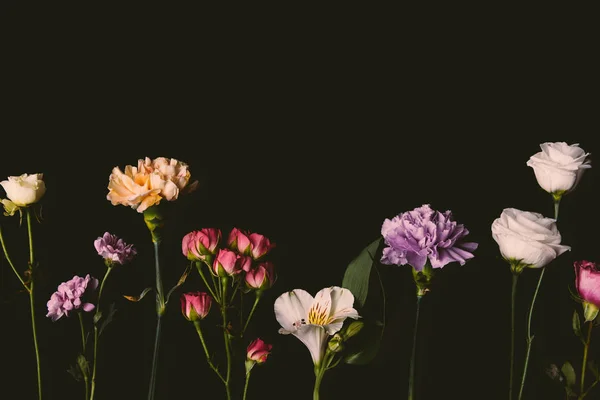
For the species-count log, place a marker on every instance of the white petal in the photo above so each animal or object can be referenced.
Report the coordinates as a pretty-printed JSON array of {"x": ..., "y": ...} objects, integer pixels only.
[
  {"x": 315, "y": 338},
  {"x": 319, "y": 312},
  {"x": 292, "y": 307},
  {"x": 342, "y": 302}
]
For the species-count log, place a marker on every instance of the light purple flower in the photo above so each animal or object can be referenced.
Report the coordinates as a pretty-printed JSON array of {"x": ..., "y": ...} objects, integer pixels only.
[
  {"x": 113, "y": 249},
  {"x": 71, "y": 296},
  {"x": 423, "y": 233}
]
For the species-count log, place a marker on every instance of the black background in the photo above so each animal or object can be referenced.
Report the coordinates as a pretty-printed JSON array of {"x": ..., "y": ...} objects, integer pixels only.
[{"x": 312, "y": 132}]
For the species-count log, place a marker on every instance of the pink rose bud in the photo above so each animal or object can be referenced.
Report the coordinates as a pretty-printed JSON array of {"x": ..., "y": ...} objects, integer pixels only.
[
  {"x": 258, "y": 351},
  {"x": 262, "y": 277},
  {"x": 239, "y": 242},
  {"x": 226, "y": 263},
  {"x": 587, "y": 282},
  {"x": 196, "y": 245},
  {"x": 195, "y": 305},
  {"x": 245, "y": 263},
  {"x": 260, "y": 245}
]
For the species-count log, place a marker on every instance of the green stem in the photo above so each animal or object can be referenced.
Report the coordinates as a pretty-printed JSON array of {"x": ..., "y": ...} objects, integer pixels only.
[
  {"x": 513, "y": 296},
  {"x": 210, "y": 289},
  {"x": 529, "y": 335},
  {"x": 556, "y": 207},
  {"x": 256, "y": 300},
  {"x": 411, "y": 377},
  {"x": 160, "y": 310},
  {"x": 224, "y": 284},
  {"x": 10, "y": 262},
  {"x": 212, "y": 366},
  {"x": 85, "y": 378},
  {"x": 246, "y": 384},
  {"x": 31, "y": 302},
  {"x": 319, "y": 372},
  {"x": 96, "y": 334},
  {"x": 585, "y": 355}
]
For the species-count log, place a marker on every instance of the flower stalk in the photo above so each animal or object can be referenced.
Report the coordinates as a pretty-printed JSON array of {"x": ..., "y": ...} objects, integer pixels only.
[
  {"x": 96, "y": 333},
  {"x": 32, "y": 302},
  {"x": 411, "y": 376}
]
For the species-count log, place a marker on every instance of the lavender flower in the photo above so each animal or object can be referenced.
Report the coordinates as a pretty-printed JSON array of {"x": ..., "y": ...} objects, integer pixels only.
[
  {"x": 70, "y": 296},
  {"x": 415, "y": 236},
  {"x": 114, "y": 250}
]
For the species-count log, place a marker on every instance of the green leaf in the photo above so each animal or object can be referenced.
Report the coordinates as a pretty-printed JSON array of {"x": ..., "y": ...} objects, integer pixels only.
[
  {"x": 181, "y": 281},
  {"x": 75, "y": 373},
  {"x": 569, "y": 373},
  {"x": 576, "y": 324},
  {"x": 138, "y": 298},
  {"x": 111, "y": 313},
  {"x": 83, "y": 365},
  {"x": 368, "y": 346},
  {"x": 358, "y": 272}
]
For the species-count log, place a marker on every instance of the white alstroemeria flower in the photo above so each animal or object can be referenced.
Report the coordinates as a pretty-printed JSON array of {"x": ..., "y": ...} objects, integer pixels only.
[{"x": 312, "y": 320}]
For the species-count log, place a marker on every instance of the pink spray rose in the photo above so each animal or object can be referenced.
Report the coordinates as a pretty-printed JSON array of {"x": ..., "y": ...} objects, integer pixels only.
[
  {"x": 227, "y": 263},
  {"x": 261, "y": 245},
  {"x": 239, "y": 241},
  {"x": 258, "y": 351},
  {"x": 261, "y": 277},
  {"x": 197, "y": 245},
  {"x": 195, "y": 305},
  {"x": 587, "y": 282}
]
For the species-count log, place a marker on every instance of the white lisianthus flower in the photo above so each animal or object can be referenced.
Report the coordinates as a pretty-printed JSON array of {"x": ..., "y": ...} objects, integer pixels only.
[
  {"x": 526, "y": 238},
  {"x": 559, "y": 166},
  {"x": 312, "y": 320},
  {"x": 24, "y": 190}
]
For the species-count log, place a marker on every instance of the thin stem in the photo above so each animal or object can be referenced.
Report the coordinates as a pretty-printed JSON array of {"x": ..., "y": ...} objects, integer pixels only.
[
  {"x": 210, "y": 289},
  {"x": 212, "y": 366},
  {"x": 246, "y": 384},
  {"x": 383, "y": 301},
  {"x": 96, "y": 333},
  {"x": 556, "y": 207},
  {"x": 224, "y": 284},
  {"x": 85, "y": 378},
  {"x": 31, "y": 302},
  {"x": 529, "y": 335},
  {"x": 319, "y": 372},
  {"x": 10, "y": 262},
  {"x": 411, "y": 378},
  {"x": 160, "y": 310},
  {"x": 585, "y": 355},
  {"x": 256, "y": 300},
  {"x": 515, "y": 277}
]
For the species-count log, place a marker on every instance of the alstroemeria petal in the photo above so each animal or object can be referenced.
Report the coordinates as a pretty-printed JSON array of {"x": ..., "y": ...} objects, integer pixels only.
[
  {"x": 291, "y": 308},
  {"x": 314, "y": 337}
]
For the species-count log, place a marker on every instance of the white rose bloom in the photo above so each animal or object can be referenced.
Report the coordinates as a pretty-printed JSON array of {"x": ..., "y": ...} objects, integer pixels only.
[
  {"x": 559, "y": 166},
  {"x": 527, "y": 237},
  {"x": 25, "y": 189}
]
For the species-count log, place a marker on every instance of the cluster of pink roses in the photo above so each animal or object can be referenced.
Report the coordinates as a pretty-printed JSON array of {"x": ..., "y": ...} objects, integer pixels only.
[{"x": 243, "y": 255}]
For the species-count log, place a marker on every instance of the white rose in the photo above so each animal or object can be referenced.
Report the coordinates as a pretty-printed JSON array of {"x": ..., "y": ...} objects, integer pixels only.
[
  {"x": 25, "y": 189},
  {"x": 527, "y": 237},
  {"x": 559, "y": 166}
]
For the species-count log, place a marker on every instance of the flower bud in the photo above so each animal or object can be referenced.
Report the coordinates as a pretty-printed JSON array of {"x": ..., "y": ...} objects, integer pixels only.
[
  {"x": 226, "y": 263},
  {"x": 352, "y": 329},
  {"x": 200, "y": 245},
  {"x": 262, "y": 277},
  {"x": 195, "y": 305},
  {"x": 239, "y": 241},
  {"x": 335, "y": 344},
  {"x": 258, "y": 351},
  {"x": 260, "y": 245}
]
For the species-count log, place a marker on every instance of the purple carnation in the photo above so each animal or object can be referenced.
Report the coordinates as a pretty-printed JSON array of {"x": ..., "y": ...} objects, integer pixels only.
[
  {"x": 69, "y": 297},
  {"x": 113, "y": 249},
  {"x": 414, "y": 236}
]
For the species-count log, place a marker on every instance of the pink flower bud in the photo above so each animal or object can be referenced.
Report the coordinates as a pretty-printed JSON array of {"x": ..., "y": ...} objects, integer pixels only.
[
  {"x": 258, "y": 351},
  {"x": 239, "y": 241},
  {"x": 226, "y": 263},
  {"x": 245, "y": 263},
  {"x": 195, "y": 305},
  {"x": 262, "y": 277},
  {"x": 197, "y": 245},
  {"x": 260, "y": 245},
  {"x": 587, "y": 282}
]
